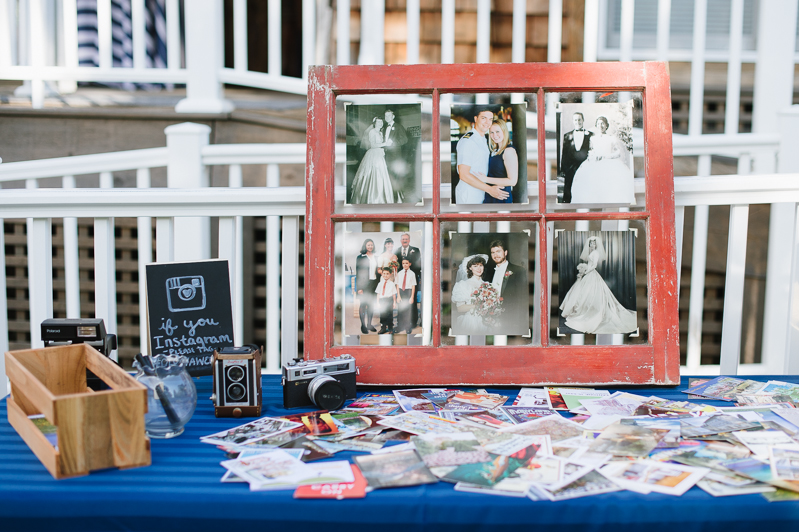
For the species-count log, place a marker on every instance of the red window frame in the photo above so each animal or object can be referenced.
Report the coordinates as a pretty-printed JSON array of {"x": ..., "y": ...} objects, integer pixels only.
[{"x": 656, "y": 362}]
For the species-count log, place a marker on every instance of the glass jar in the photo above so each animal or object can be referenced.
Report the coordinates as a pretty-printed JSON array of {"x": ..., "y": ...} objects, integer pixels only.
[{"x": 171, "y": 394}]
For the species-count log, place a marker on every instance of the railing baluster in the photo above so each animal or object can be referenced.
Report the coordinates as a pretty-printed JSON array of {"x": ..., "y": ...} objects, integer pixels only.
[
  {"x": 69, "y": 30},
  {"x": 40, "y": 275},
  {"x": 237, "y": 273},
  {"x": 37, "y": 49},
  {"x": 343, "y": 32},
  {"x": 308, "y": 36},
  {"x": 679, "y": 229},
  {"x": 240, "y": 35},
  {"x": 272, "y": 272},
  {"x": 519, "y": 40},
  {"x": 164, "y": 239},
  {"x": 733, "y": 102},
  {"x": 8, "y": 28},
  {"x": 138, "y": 26},
  {"x": 105, "y": 51},
  {"x": 483, "y": 44},
  {"x": 290, "y": 293},
  {"x": 228, "y": 242},
  {"x": 144, "y": 231},
  {"x": 173, "y": 34},
  {"x": 664, "y": 29},
  {"x": 696, "y": 97},
  {"x": 105, "y": 305},
  {"x": 734, "y": 290},
  {"x": 71, "y": 259},
  {"x": 3, "y": 312},
  {"x": 412, "y": 16}
]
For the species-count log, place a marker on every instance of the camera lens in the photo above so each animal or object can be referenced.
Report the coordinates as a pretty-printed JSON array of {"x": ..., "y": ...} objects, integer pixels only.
[
  {"x": 235, "y": 373},
  {"x": 236, "y": 392},
  {"x": 326, "y": 392},
  {"x": 187, "y": 292}
]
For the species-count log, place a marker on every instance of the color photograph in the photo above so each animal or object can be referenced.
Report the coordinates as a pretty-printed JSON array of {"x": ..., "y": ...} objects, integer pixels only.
[
  {"x": 490, "y": 291},
  {"x": 489, "y": 153}
]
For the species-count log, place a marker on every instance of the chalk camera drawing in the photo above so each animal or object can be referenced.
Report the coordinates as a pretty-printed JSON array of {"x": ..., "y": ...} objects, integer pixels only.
[{"x": 185, "y": 293}]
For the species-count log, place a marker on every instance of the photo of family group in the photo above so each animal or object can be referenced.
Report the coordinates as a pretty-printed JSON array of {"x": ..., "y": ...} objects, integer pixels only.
[
  {"x": 490, "y": 290},
  {"x": 595, "y": 153},
  {"x": 489, "y": 153},
  {"x": 383, "y": 280},
  {"x": 596, "y": 282},
  {"x": 384, "y": 163}
]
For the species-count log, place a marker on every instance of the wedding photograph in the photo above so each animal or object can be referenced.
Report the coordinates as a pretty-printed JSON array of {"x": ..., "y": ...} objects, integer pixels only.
[
  {"x": 383, "y": 283},
  {"x": 490, "y": 290},
  {"x": 384, "y": 162},
  {"x": 489, "y": 153},
  {"x": 596, "y": 282},
  {"x": 595, "y": 153}
]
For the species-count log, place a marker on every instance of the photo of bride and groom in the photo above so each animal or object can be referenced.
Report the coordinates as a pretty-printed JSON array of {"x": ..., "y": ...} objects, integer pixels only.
[
  {"x": 383, "y": 154},
  {"x": 596, "y": 282},
  {"x": 490, "y": 291},
  {"x": 595, "y": 153}
]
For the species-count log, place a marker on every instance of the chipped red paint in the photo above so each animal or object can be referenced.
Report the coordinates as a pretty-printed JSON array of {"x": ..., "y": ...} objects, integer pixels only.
[{"x": 654, "y": 363}]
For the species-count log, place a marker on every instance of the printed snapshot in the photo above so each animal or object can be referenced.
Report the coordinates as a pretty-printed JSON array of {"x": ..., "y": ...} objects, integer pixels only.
[
  {"x": 489, "y": 153},
  {"x": 490, "y": 292},
  {"x": 384, "y": 163},
  {"x": 595, "y": 153},
  {"x": 383, "y": 283},
  {"x": 596, "y": 287}
]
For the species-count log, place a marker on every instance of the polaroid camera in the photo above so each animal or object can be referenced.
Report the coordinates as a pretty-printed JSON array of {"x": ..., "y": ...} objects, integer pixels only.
[{"x": 89, "y": 331}]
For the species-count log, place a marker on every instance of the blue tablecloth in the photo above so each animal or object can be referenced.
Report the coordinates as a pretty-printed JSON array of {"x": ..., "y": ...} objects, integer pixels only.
[{"x": 181, "y": 491}]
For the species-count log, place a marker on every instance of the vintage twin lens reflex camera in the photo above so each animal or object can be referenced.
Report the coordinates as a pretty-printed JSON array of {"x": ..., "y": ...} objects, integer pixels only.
[
  {"x": 325, "y": 383},
  {"x": 237, "y": 382}
]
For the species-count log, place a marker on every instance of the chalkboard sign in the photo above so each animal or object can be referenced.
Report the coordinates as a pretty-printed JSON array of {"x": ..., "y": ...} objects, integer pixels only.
[{"x": 188, "y": 311}]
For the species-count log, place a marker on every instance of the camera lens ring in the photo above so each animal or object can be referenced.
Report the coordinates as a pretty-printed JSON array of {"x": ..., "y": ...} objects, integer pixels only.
[
  {"x": 235, "y": 373},
  {"x": 326, "y": 392},
  {"x": 236, "y": 392},
  {"x": 191, "y": 289}
]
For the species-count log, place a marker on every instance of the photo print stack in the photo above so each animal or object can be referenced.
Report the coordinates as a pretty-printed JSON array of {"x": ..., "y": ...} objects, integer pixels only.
[
  {"x": 489, "y": 153},
  {"x": 383, "y": 283},
  {"x": 596, "y": 288},
  {"x": 595, "y": 153},
  {"x": 384, "y": 163},
  {"x": 490, "y": 290}
]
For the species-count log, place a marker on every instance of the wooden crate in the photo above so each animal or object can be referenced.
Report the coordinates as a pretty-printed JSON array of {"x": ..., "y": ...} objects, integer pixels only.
[{"x": 96, "y": 430}]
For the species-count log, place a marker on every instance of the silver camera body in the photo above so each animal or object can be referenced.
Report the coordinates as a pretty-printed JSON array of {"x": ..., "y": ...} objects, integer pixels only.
[{"x": 325, "y": 383}]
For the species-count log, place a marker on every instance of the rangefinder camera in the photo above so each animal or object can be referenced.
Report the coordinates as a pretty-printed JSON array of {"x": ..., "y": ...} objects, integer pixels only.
[
  {"x": 325, "y": 383},
  {"x": 237, "y": 381}
]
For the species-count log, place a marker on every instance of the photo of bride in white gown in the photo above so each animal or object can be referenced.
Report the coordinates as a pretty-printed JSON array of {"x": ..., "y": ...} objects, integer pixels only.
[
  {"x": 603, "y": 177},
  {"x": 589, "y": 306},
  {"x": 372, "y": 183},
  {"x": 467, "y": 321}
]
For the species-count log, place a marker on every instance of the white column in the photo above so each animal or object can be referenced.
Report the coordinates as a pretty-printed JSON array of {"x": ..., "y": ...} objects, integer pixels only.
[
  {"x": 734, "y": 290},
  {"x": 40, "y": 276},
  {"x": 71, "y": 259},
  {"x": 172, "y": 34},
  {"x": 237, "y": 255},
  {"x": 104, "y": 34},
  {"x": 373, "y": 41},
  {"x": 731, "y": 106},
  {"x": 105, "y": 305},
  {"x": 412, "y": 40},
  {"x": 483, "y": 44},
  {"x": 274, "y": 34},
  {"x": 519, "y": 40},
  {"x": 204, "y": 58},
  {"x": 138, "y": 27},
  {"x": 185, "y": 169},
  {"x": 3, "y": 314},
  {"x": 164, "y": 240},
  {"x": 664, "y": 29},
  {"x": 698, "y": 266},
  {"x": 272, "y": 273},
  {"x": 447, "y": 31},
  {"x": 343, "y": 32},
  {"x": 37, "y": 49},
  {"x": 144, "y": 225},
  {"x": 8, "y": 41},
  {"x": 308, "y": 36}
]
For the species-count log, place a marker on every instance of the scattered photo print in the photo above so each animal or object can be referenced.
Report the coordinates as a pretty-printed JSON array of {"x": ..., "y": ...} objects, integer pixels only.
[
  {"x": 490, "y": 292},
  {"x": 489, "y": 153},
  {"x": 595, "y": 153},
  {"x": 384, "y": 161},
  {"x": 596, "y": 287},
  {"x": 383, "y": 283}
]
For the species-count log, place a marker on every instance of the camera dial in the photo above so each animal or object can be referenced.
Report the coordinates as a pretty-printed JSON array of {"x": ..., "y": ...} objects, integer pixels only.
[{"x": 326, "y": 392}]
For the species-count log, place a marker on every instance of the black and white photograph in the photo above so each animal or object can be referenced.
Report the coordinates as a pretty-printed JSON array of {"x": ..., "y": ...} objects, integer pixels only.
[
  {"x": 490, "y": 291},
  {"x": 595, "y": 153},
  {"x": 596, "y": 287},
  {"x": 384, "y": 162},
  {"x": 383, "y": 280},
  {"x": 489, "y": 153}
]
